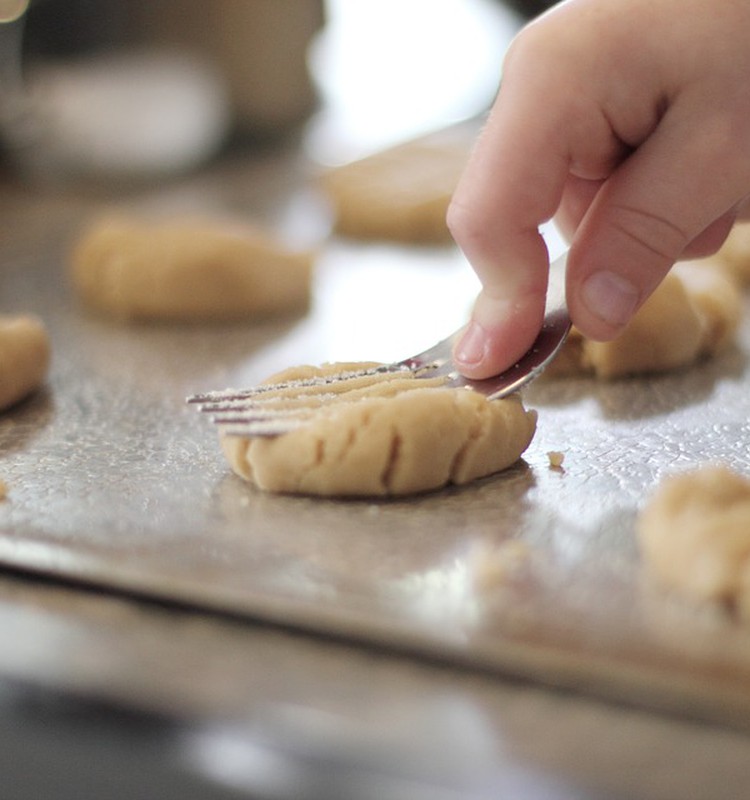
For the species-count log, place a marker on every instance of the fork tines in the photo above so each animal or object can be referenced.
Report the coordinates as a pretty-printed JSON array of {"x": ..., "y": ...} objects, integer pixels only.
[
  {"x": 312, "y": 382},
  {"x": 272, "y": 409}
]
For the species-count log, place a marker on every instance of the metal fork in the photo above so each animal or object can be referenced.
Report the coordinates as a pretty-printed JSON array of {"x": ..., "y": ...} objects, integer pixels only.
[{"x": 276, "y": 408}]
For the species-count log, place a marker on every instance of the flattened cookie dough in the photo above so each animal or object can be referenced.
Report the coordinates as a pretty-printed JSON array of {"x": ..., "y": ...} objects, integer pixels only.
[
  {"x": 694, "y": 535},
  {"x": 401, "y": 194},
  {"x": 24, "y": 357},
  {"x": 396, "y": 440},
  {"x": 693, "y": 314},
  {"x": 188, "y": 269}
]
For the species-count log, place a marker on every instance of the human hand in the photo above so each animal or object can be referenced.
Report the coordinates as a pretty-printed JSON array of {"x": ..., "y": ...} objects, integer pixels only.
[{"x": 629, "y": 122}]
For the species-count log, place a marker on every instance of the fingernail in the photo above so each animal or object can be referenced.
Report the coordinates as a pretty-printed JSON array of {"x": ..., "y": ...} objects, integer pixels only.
[
  {"x": 472, "y": 347},
  {"x": 610, "y": 297}
]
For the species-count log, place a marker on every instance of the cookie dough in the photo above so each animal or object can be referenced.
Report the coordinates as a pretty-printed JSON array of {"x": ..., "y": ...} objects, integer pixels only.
[
  {"x": 400, "y": 194},
  {"x": 24, "y": 357},
  {"x": 694, "y": 535},
  {"x": 734, "y": 255},
  {"x": 395, "y": 438},
  {"x": 187, "y": 269},
  {"x": 693, "y": 314}
]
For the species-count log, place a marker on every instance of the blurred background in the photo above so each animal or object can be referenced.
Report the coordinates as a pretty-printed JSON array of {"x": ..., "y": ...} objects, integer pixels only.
[{"x": 132, "y": 87}]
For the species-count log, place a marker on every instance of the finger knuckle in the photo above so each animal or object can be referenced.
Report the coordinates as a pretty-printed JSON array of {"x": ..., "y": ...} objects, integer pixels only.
[
  {"x": 649, "y": 232},
  {"x": 464, "y": 222}
]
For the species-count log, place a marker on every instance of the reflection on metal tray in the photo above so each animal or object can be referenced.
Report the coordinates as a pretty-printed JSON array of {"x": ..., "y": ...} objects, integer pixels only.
[{"x": 114, "y": 481}]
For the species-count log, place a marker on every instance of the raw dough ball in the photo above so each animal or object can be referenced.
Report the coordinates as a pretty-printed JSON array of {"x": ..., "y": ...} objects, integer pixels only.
[
  {"x": 694, "y": 313},
  {"x": 694, "y": 535},
  {"x": 717, "y": 302},
  {"x": 24, "y": 357},
  {"x": 182, "y": 270},
  {"x": 393, "y": 439},
  {"x": 734, "y": 254},
  {"x": 400, "y": 194}
]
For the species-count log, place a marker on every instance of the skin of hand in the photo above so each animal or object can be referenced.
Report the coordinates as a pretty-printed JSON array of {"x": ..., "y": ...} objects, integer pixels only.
[{"x": 628, "y": 121}]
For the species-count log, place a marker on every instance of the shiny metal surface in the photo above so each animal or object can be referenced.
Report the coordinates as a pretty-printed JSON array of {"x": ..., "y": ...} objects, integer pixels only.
[
  {"x": 150, "y": 701},
  {"x": 129, "y": 699},
  {"x": 114, "y": 481}
]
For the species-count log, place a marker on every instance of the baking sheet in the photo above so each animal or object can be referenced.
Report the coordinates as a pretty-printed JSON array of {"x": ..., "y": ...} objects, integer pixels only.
[{"x": 114, "y": 481}]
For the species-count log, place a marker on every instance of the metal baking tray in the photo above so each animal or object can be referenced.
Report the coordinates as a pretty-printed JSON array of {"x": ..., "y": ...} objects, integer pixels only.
[{"x": 114, "y": 482}]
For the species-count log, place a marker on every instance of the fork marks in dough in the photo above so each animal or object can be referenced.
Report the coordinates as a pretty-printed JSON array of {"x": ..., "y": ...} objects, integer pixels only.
[{"x": 276, "y": 408}]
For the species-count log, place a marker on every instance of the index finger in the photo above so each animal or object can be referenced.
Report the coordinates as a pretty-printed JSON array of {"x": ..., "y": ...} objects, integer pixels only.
[{"x": 539, "y": 131}]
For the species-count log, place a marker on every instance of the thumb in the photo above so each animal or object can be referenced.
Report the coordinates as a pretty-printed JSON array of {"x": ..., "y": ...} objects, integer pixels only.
[{"x": 684, "y": 180}]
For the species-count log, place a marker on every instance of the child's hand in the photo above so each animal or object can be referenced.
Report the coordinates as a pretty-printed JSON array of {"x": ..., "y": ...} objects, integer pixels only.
[{"x": 627, "y": 120}]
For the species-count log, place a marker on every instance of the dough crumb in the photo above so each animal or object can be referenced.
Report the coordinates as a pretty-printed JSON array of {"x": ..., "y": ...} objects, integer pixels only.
[
  {"x": 694, "y": 536},
  {"x": 556, "y": 459}
]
